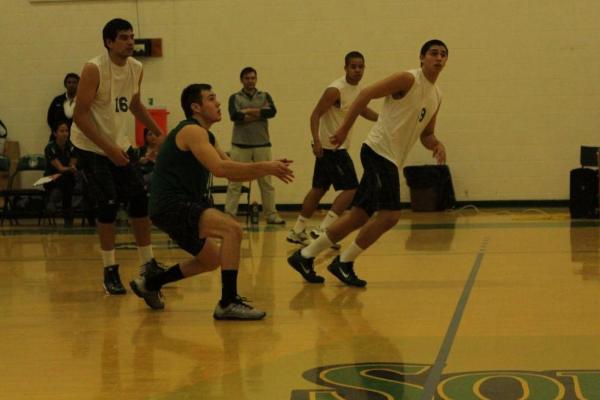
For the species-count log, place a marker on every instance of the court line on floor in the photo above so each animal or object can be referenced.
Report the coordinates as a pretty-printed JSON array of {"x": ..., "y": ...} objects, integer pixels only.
[{"x": 434, "y": 377}]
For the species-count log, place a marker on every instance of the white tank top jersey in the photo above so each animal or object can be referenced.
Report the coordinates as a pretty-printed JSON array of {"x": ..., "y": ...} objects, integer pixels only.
[
  {"x": 333, "y": 118},
  {"x": 401, "y": 121},
  {"x": 110, "y": 108}
]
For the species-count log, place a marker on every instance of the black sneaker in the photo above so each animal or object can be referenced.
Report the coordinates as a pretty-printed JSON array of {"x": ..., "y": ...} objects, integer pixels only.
[
  {"x": 152, "y": 268},
  {"x": 305, "y": 267},
  {"x": 153, "y": 298},
  {"x": 112, "y": 280},
  {"x": 344, "y": 271}
]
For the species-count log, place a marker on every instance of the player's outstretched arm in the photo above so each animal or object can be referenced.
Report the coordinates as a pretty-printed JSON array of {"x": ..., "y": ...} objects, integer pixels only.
[
  {"x": 395, "y": 85},
  {"x": 195, "y": 139}
]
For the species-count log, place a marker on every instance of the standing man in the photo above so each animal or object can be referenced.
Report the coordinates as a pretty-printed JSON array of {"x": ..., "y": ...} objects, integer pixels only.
[
  {"x": 412, "y": 101},
  {"x": 180, "y": 204},
  {"x": 333, "y": 164},
  {"x": 109, "y": 87},
  {"x": 62, "y": 106},
  {"x": 250, "y": 109}
]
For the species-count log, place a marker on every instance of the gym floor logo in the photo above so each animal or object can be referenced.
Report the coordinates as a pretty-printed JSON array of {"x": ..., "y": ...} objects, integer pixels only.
[{"x": 398, "y": 381}]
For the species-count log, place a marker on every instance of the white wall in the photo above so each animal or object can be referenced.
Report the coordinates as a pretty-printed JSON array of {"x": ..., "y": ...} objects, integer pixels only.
[{"x": 520, "y": 88}]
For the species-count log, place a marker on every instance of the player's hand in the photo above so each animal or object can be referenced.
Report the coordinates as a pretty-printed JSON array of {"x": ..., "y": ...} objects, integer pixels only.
[
  {"x": 281, "y": 169},
  {"x": 317, "y": 149},
  {"x": 118, "y": 157},
  {"x": 439, "y": 153},
  {"x": 151, "y": 155},
  {"x": 339, "y": 137}
]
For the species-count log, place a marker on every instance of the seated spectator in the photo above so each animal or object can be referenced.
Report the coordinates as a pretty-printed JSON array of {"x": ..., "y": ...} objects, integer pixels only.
[
  {"x": 62, "y": 106},
  {"x": 61, "y": 166},
  {"x": 147, "y": 154}
]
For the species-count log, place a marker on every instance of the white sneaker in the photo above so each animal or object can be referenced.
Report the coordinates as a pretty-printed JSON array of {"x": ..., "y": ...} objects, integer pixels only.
[
  {"x": 275, "y": 219},
  {"x": 316, "y": 232},
  {"x": 298, "y": 238}
]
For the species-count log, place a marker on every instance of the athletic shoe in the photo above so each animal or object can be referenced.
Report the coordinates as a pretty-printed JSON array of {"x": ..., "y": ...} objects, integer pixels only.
[
  {"x": 298, "y": 237},
  {"x": 237, "y": 310},
  {"x": 152, "y": 268},
  {"x": 344, "y": 271},
  {"x": 305, "y": 267},
  {"x": 275, "y": 219},
  {"x": 112, "y": 280},
  {"x": 153, "y": 298},
  {"x": 316, "y": 232}
]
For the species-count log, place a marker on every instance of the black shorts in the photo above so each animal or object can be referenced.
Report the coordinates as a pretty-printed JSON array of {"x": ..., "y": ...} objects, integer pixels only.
[
  {"x": 334, "y": 167},
  {"x": 108, "y": 183},
  {"x": 379, "y": 187},
  {"x": 180, "y": 221}
]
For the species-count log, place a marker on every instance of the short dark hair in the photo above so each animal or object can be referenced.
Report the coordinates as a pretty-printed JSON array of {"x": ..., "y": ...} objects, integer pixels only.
[
  {"x": 112, "y": 29},
  {"x": 57, "y": 125},
  {"x": 70, "y": 75},
  {"x": 351, "y": 55},
  {"x": 192, "y": 94},
  {"x": 148, "y": 132},
  {"x": 430, "y": 43},
  {"x": 246, "y": 70}
]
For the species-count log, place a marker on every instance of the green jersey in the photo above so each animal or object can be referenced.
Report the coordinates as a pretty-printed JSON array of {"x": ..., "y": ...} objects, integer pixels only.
[{"x": 178, "y": 176}]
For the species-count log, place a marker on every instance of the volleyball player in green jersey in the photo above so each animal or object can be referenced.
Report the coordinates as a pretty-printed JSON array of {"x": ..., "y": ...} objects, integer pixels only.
[{"x": 180, "y": 204}]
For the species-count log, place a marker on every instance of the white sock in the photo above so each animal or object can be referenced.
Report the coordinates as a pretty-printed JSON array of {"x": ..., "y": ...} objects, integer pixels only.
[
  {"x": 329, "y": 219},
  {"x": 108, "y": 257},
  {"x": 300, "y": 224},
  {"x": 146, "y": 254},
  {"x": 351, "y": 252},
  {"x": 316, "y": 246}
]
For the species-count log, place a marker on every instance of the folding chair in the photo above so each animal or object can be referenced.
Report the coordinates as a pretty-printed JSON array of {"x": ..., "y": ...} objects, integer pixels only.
[
  {"x": 5, "y": 171},
  {"x": 15, "y": 196}
]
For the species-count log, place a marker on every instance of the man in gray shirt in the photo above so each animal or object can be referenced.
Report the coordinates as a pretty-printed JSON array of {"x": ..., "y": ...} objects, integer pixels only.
[{"x": 250, "y": 109}]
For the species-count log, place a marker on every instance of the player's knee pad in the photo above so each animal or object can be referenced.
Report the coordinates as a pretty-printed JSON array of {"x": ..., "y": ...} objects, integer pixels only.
[
  {"x": 106, "y": 212},
  {"x": 138, "y": 206}
]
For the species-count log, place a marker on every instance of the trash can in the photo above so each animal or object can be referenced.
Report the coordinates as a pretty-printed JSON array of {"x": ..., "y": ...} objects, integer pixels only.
[
  {"x": 159, "y": 115},
  {"x": 430, "y": 187}
]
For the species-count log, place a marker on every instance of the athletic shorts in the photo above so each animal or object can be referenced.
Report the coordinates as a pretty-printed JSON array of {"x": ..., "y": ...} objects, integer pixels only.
[
  {"x": 379, "y": 187},
  {"x": 335, "y": 168},
  {"x": 107, "y": 182},
  {"x": 180, "y": 221}
]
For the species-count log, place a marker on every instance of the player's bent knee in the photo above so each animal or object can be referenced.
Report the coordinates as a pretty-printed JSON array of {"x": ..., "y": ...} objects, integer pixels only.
[
  {"x": 236, "y": 231},
  {"x": 231, "y": 229},
  {"x": 390, "y": 220}
]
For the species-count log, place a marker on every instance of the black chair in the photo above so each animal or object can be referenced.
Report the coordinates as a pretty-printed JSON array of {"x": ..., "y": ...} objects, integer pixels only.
[
  {"x": 4, "y": 170},
  {"x": 25, "y": 202},
  {"x": 584, "y": 185},
  {"x": 588, "y": 156}
]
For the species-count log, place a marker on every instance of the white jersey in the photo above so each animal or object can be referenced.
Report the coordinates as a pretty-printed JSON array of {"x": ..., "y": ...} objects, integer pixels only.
[
  {"x": 401, "y": 121},
  {"x": 333, "y": 118},
  {"x": 117, "y": 86}
]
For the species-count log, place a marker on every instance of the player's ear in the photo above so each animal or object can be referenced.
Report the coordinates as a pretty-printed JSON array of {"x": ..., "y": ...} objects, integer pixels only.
[{"x": 196, "y": 107}]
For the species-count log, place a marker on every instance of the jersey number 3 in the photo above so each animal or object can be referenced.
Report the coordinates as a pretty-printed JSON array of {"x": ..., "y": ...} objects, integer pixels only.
[{"x": 121, "y": 104}]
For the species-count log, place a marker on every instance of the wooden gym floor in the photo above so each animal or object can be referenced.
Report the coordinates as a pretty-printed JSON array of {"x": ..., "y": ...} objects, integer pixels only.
[{"x": 459, "y": 305}]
